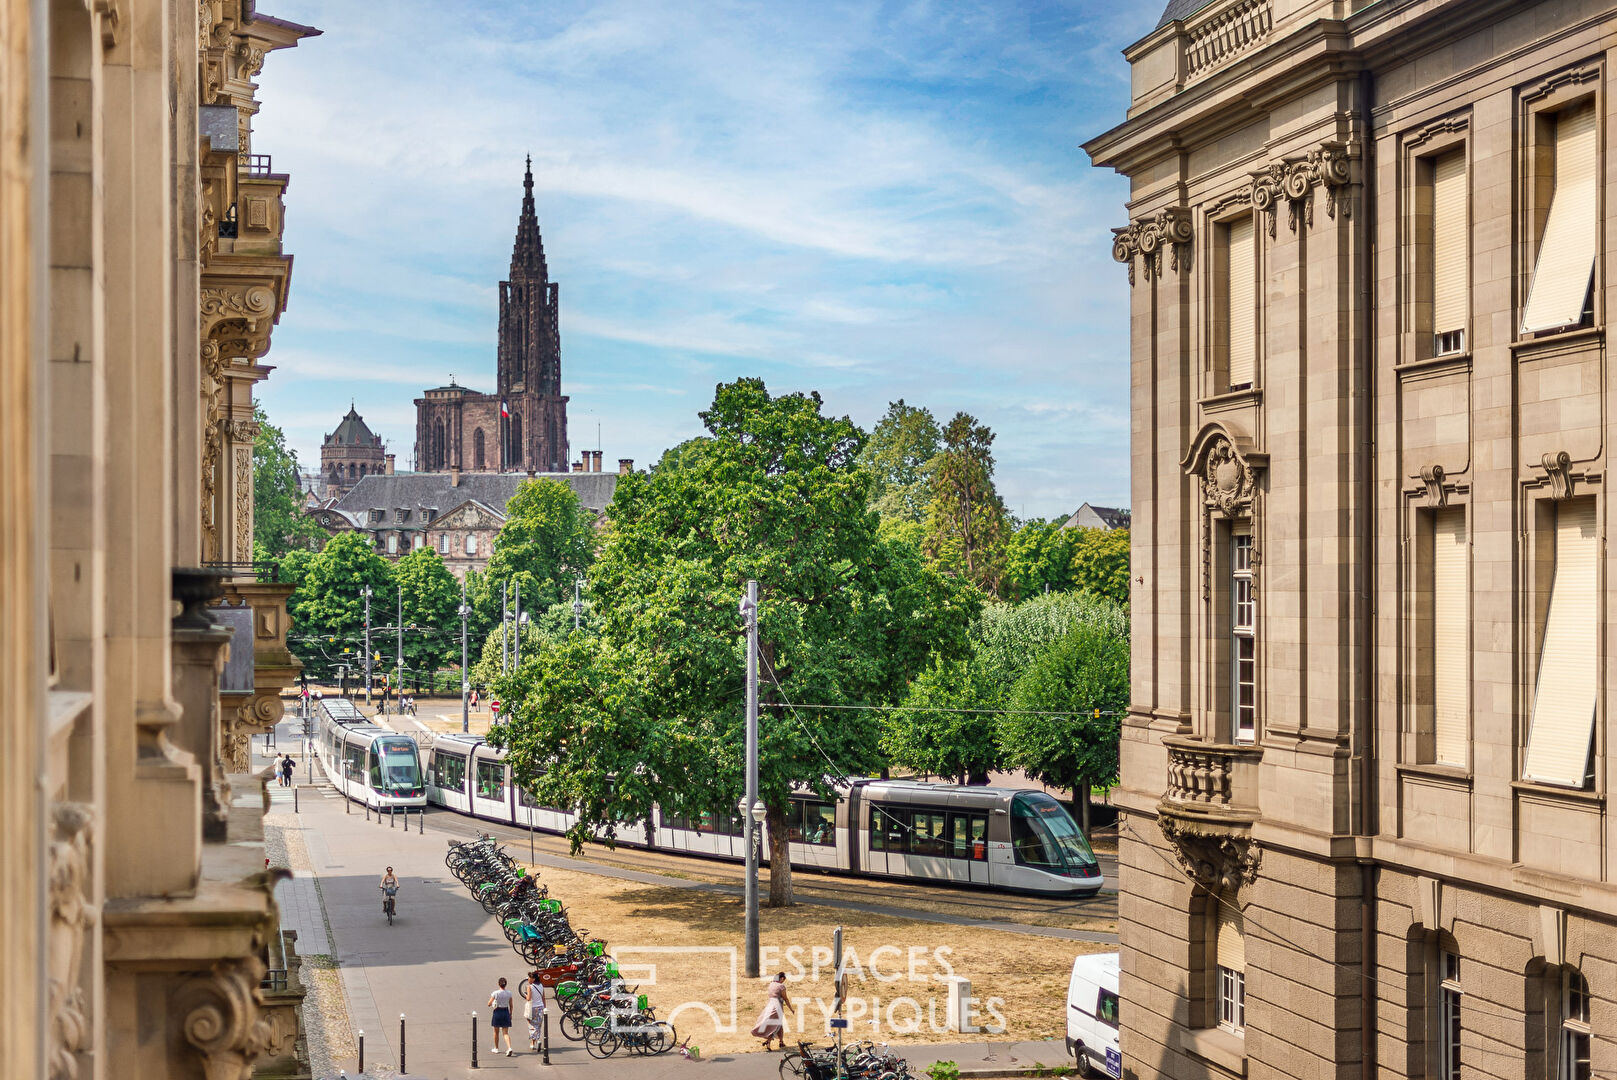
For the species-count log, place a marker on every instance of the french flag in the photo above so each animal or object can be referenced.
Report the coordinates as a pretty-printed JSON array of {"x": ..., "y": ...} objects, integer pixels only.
[{"x": 505, "y": 413}]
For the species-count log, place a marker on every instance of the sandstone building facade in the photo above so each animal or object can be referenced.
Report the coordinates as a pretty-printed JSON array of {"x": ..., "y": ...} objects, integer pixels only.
[
  {"x": 141, "y": 275},
  {"x": 522, "y": 426},
  {"x": 1367, "y": 775}
]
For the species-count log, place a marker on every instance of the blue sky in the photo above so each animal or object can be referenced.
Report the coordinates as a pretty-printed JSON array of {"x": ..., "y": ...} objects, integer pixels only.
[{"x": 872, "y": 200}]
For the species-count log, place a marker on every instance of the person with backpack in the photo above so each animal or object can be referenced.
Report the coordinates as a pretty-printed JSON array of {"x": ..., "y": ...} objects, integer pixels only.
[{"x": 287, "y": 765}]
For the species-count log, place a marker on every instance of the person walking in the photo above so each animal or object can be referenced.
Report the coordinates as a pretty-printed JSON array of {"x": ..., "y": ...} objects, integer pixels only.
[
  {"x": 287, "y": 767},
  {"x": 500, "y": 1002},
  {"x": 533, "y": 991},
  {"x": 771, "y": 1023}
]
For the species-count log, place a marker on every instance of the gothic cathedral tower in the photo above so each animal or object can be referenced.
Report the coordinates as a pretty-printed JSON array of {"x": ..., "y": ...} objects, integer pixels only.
[{"x": 534, "y": 434}]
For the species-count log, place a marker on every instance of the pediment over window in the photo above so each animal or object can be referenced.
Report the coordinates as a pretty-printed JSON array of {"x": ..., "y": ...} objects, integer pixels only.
[{"x": 1228, "y": 465}]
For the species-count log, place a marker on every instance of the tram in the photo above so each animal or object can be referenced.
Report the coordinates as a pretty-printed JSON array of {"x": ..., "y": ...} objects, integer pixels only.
[
  {"x": 998, "y": 838},
  {"x": 371, "y": 764}
]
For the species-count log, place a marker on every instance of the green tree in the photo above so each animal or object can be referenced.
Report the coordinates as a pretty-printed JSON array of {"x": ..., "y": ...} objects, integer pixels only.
[
  {"x": 279, "y": 524},
  {"x": 897, "y": 456},
  {"x": 546, "y": 542},
  {"x": 1065, "y": 711},
  {"x": 1100, "y": 562},
  {"x": 773, "y": 493},
  {"x": 966, "y": 520},
  {"x": 431, "y": 599},
  {"x": 1038, "y": 559},
  {"x": 948, "y": 724},
  {"x": 328, "y": 608}
]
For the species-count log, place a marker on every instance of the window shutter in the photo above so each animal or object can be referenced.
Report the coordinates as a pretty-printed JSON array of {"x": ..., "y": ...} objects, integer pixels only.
[
  {"x": 1564, "y": 706},
  {"x": 1231, "y": 935},
  {"x": 1451, "y": 683},
  {"x": 1566, "y": 255},
  {"x": 1240, "y": 292},
  {"x": 1450, "y": 243}
]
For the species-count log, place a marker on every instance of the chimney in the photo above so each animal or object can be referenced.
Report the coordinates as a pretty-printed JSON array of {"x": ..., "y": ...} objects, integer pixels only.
[
  {"x": 578, "y": 466},
  {"x": 454, "y": 476},
  {"x": 389, "y": 470},
  {"x": 625, "y": 466},
  {"x": 595, "y": 461}
]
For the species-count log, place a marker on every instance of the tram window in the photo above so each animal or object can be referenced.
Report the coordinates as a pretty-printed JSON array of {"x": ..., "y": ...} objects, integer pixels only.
[
  {"x": 354, "y": 762},
  {"x": 820, "y": 823},
  {"x": 927, "y": 837},
  {"x": 375, "y": 768},
  {"x": 400, "y": 767},
  {"x": 968, "y": 836},
  {"x": 1043, "y": 834},
  {"x": 490, "y": 780},
  {"x": 889, "y": 828},
  {"x": 449, "y": 772}
]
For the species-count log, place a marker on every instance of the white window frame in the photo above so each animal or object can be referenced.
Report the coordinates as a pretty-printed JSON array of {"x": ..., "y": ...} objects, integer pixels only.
[
  {"x": 1232, "y": 1000},
  {"x": 1576, "y": 1033},
  {"x": 1450, "y": 1029},
  {"x": 471, "y": 545},
  {"x": 1243, "y": 640},
  {"x": 1451, "y": 250},
  {"x": 392, "y": 543},
  {"x": 443, "y": 543}
]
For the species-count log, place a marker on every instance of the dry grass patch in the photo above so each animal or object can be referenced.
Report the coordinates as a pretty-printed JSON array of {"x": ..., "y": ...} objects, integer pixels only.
[{"x": 677, "y": 944}]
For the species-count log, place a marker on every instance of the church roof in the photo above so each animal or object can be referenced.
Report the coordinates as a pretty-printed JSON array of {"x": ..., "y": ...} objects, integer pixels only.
[
  {"x": 383, "y": 491},
  {"x": 352, "y": 431},
  {"x": 528, "y": 252}
]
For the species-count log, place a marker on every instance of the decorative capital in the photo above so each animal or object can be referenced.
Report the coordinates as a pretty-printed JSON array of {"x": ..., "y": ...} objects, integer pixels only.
[
  {"x": 220, "y": 1017},
  {"x": 1218, "y": 860},
  {"x": 1170, "y": 228},
  {"x": 1293, "y": 180}
]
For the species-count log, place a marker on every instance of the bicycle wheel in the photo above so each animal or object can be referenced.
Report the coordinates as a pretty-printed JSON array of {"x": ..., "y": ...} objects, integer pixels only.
[
  {"x": 791, "y": 1066},
  {"x": 570, "y": 1028},
  {"x": 660, "y": 1039},
  {"x": 601, "y": 1042}
]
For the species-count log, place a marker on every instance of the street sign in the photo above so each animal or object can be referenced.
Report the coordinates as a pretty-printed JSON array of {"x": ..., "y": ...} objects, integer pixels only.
[
  {"x": 494, "y": 707},
  {"x": 838, "y": 1022}
]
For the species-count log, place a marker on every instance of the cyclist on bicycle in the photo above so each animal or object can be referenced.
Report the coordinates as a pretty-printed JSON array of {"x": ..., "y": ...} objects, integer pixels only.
[{"x": 390, "y": 889}]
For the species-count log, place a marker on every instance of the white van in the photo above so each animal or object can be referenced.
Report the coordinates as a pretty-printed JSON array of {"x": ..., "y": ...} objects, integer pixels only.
[{"x": 1092, "y": 1015}]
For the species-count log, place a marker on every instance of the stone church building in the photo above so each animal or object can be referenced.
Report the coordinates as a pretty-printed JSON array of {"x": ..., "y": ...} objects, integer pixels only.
[
  {"x": 351, "y": 453},
  {"x": 522, "y": 426}
]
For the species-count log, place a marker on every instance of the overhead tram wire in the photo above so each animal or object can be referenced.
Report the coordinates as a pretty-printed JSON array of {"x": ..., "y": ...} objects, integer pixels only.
[{"x": 1072, "y": 713}]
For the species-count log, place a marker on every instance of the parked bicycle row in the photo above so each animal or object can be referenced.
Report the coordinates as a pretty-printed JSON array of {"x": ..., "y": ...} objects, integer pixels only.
[
  {"x": 859, "y": 1061},
  {"x": 596, "y": 1007}
]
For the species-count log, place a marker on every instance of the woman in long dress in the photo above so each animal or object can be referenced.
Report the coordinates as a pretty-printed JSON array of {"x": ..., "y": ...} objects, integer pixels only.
[{"x": 771, "y": 1023}]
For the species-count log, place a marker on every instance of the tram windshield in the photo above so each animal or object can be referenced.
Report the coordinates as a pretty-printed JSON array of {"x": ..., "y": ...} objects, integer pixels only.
[
  {"x": 400, "y": 768},
  {"x": 1045, "y": 837}
]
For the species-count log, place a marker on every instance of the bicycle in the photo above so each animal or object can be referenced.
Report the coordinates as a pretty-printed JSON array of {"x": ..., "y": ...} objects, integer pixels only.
[{"x": 389, "y": 905}]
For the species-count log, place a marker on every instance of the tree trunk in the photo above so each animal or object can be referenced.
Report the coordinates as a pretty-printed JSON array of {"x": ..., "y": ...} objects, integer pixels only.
[
  {"x": 1083, "y": 793},
  {"x": 780, "y": 863}
]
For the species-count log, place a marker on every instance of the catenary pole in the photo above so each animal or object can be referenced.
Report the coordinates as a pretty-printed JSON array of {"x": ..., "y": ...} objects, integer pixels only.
[
  {"x": 516, "y": 621},
  {"x": 749, "y": 609},
  {"x": 398, "y": 681},
  {"x": 367, "y": 644},
  {"x": 505, "y": 628},
  {"x": 465, "y": 672}
]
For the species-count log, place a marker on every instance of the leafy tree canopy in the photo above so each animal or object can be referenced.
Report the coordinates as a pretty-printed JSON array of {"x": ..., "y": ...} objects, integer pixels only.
[
  {"x": 773, "y": 493},
  {"x": 431, "y": 600},
  {"x": 1038, "y": 559},
  {"x": 279, "y": 524},
  {"x": 966, "y": 520},
  {"x": 546, "y": 542},
  {"x": 1100, "y": 563},
  {"x": 897, "y": 456},
  {"x": 328, "y": 607}
]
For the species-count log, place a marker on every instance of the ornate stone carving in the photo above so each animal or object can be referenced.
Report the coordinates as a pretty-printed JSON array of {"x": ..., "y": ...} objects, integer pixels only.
[
  {"x": 1170, "y": 228},
  {"x": 1215, "y": 859},
  {"x": 220, "y": 1018},
  {"x": 241, "y": 431},
  {"x": 1431, "y": 476},
  {"x": 1293, "y": 181},
  {"x": 71, "y": 917},
  {"x": 244, "y": 503},
  {"x": 251, "y": 59},
  {"x": 1558, "y": 471},
  {"x": 1226, "y": 480},
  {"x": 1573, "y": 76}
]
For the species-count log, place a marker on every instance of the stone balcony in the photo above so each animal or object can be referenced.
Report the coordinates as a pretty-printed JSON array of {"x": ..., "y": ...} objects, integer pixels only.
[{"x": 1207, "y": 811}]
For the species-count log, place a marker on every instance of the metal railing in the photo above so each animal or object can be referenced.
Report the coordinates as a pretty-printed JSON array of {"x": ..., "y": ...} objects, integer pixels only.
[
  {"x": 274, "y": 980},
  {"x": 255, "y": 164},
  {"x": 265, "y": 573}
]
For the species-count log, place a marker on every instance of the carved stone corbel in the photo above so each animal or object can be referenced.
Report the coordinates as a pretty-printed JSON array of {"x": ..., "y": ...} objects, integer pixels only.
[
  {"x": 71, "y": 917},
  {"x": 1228, "y": 476},
  {"x": 1431, "y": 476},
  {"x": 1294, "y": 179},
  {"x": 1170, "y": 228},
  {"x": 1332, "y": 169},
  {"x": 1218, "y": 860},
  {"x": 220, "y": 1018},
  {"x": 1558, "y": 470}
]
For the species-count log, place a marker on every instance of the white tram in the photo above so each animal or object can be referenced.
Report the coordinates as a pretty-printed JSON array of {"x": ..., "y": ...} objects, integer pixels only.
[
  {"x": 999, "y": 838},
  {"x": 372, "y": 764}
]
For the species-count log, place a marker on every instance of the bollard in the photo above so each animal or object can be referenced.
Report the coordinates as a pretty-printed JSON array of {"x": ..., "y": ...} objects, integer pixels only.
[
  {"x": 348, "y": 806},
  {"x": 401, "y": 1043},
  {"x": 367, "y": 811},
  {"x": 421, "y": 822},
  {"x": 295, "y": 808},
  {"x": 390, "y": 817},
  {"x": 362, "y": 1051},
  {"x": 474, "y": 1040},
  {"x": 544, "y": 1023}
]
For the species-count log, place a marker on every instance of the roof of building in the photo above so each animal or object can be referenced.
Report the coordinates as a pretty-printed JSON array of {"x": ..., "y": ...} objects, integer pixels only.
[
  {"x": 1105, "y": 517},
  {"x": 352, "y": 431},
  {"x": 410, "y": 490},
  {"x": 1180, "y": 9},
  {"x": 528, "y": 250}
]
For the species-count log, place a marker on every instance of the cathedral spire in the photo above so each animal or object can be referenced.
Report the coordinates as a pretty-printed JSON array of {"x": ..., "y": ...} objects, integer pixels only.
[{"x": 528, "y": 253}]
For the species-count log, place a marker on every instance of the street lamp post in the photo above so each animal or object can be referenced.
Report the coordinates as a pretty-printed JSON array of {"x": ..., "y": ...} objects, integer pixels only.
[
  {"x": 578, "y": 601},
  {"x": 505, "y": 628},
  {"x": 465, "y": 672},
  {"x": 398, "y": 694},
  {"x": 367, "y": 644},
  {"x": 516, "y": 645},
  {"x": 751, "y": 808}
]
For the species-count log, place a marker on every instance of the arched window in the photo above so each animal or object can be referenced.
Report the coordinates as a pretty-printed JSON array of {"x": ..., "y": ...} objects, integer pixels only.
[
  {"x": 516, "y": 458},
  {"x": 362, "y": 470},
  {"x": 477, "y": 448},
  {"x": 353, "y": 474},
  {"x": 439, "y": 461},
  {"x": 1575, "y": 1030}
]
